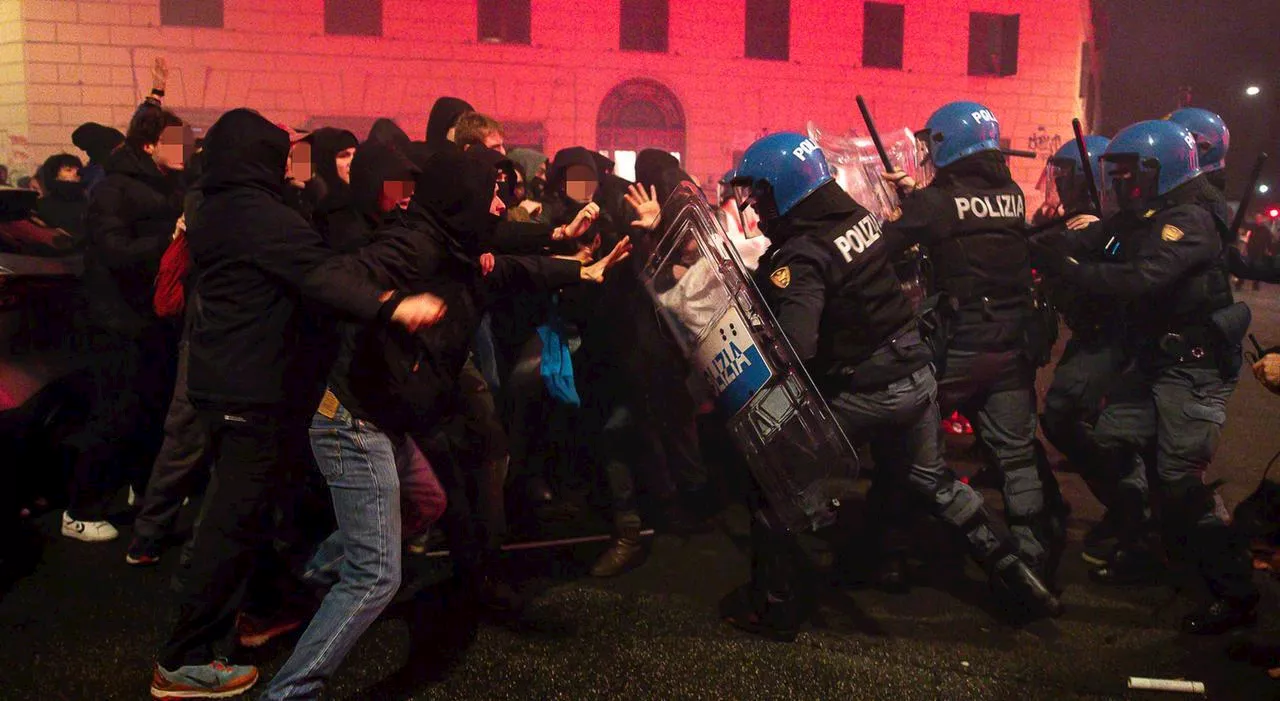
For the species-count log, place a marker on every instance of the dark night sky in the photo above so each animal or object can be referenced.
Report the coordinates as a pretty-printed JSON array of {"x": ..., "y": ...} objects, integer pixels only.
[{"x": 1217, "y": 48}]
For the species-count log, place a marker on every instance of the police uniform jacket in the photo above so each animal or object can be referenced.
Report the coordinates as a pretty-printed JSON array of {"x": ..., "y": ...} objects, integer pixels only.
[
  {"x": 971, "y": 220},
  {"x": 828, "y": 280},
  {"x": 1171, "y": 272}
]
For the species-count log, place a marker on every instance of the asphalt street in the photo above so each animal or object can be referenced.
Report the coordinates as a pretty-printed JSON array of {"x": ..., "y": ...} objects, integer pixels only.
[{"x": 85, "y": 625}]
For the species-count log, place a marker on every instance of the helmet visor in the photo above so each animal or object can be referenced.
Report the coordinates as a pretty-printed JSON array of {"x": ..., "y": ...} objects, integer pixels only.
[{"x": 1130, "y": 183}]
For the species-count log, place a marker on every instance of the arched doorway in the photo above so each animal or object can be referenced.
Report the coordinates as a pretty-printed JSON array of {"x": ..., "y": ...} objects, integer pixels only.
[{"x": 638, "y": 114}]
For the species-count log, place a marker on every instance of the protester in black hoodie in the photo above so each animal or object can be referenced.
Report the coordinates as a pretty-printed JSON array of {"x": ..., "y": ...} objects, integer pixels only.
[
  {"x": 64, "y": 202},
  {"x": 443, "y": 118},
  {"x": 416, "y": 386},
  {"x": 129, "y": 224},
  {"x": 328, "y": 191},
  {"x": 256, "y": 259},
  {"x": 97, "y": 141}
]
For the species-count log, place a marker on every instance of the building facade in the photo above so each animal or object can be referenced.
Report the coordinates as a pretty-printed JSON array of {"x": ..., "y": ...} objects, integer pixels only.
[{"x": 702, "y": 78}]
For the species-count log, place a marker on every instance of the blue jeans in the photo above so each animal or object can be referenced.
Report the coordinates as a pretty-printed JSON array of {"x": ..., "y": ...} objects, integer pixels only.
[{"x": 359, "y": 464}]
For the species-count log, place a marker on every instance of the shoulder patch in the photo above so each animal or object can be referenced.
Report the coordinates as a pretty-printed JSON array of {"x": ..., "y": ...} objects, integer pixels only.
[
  {"x": 781, "y": 277},
  {"x": 1171, "y": 233}
]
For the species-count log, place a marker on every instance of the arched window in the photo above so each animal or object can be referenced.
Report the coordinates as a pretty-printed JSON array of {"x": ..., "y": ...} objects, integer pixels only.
[{"x": 635, "y": 115}]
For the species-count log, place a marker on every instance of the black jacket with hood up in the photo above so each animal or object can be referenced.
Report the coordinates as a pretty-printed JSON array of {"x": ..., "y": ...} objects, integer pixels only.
[
  {"x": 404, "y": 382},
  {"x": 256, "y": 260}
]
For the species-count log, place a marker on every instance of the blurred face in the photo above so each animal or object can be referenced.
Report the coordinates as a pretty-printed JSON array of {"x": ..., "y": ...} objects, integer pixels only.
[
  {"x": 542, "y": 171},
  {"x": 68, "y": 174},
  {"x": 300, "y": 166},
  {"x": 580, "y": 184},
  {"x": 171, "y": 151},
  {"x": 395, "y": 195},
  {"x": 343, "y": 161},
  {"x": 494, "y": 141}
]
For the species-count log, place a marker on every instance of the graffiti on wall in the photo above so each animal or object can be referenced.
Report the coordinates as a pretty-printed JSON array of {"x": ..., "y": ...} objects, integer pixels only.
[{"x": 1044, "y": 143}]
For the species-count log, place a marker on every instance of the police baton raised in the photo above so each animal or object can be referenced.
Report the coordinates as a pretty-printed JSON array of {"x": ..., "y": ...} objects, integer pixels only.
[
  {"x": 1247, "y": 199},
  {"x": 875, "y": 135},
  {"x": 1087, "y": 166}
]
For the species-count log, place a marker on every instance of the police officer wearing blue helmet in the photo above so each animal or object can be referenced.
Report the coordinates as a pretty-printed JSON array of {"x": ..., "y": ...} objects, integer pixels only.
[
  {"x": 1213, "y": 139},
  {"x": 1094, "y": 355},
  {"x": 989, "y": 337},
  {"x": 827, "y": 277},
  {"x": 1184, "y": 333}
]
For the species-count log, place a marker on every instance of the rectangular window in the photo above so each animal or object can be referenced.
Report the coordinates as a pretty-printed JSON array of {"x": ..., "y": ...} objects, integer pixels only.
[
  {"x": 191, "y": 13},
  {"x": 769, "y": 29},
  {"x": 993, "y": 44},
  {"x": 503, "y": 21},
  {"x": 882, "y": 25},
  {"x": 644, "y": 26},
  {"x": 361, "y": 18}
]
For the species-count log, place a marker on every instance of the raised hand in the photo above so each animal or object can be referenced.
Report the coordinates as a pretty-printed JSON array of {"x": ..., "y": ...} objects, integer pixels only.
[
  {"x": 596, "y": 271},
  {"x": 582, "y": 222},
  {"x": 159, "y": 74},
  {"x": 646, "y": 205}
]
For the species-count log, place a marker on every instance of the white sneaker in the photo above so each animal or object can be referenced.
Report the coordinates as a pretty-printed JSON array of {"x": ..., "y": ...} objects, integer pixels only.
[{"x": 88, "y": 531}]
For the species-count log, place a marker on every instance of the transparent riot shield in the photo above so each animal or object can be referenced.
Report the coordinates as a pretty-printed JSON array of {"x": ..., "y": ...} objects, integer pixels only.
[
  {"x": 857, "y": 167},
  {"x": 793, "y": 445}
]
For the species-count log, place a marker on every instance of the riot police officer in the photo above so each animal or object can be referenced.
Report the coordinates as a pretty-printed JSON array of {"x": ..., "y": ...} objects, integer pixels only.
[
  {"x": 989, "y": 340},
  {"x": 1184, "y": 334},
  {"x": 828, "y": 280},
  {"x": 1093, "y": 356}
]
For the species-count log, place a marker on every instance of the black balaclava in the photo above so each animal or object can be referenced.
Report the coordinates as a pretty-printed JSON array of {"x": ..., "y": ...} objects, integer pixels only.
[
  {"x": 58, "y": 189},
  {"x": 444, "y": 115},
  {"x": 456, "y": 189},
  {"x": 96, "y": 140},
  {"x": 374, "y": 165},
  {"x": 651, "y": 164},
  {"x": 244, "y": 149},
  {"x": 507, "y": 189}
]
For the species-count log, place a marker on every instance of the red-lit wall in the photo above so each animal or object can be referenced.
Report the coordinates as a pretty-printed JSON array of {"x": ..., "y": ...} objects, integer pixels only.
[{"x": 91, "y": 61}]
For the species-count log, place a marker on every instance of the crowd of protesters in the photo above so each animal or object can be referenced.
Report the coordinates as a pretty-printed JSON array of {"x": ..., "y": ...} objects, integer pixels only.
[{"x": 352, "y": 349}]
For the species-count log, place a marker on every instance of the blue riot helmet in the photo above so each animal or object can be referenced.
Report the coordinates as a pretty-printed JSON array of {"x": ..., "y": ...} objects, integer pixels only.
[
  {"x": 777, "y": 172},
  {"x": 1065, "y": 182},
  {"x": 958, "y": 130},
  {"x": 1212, "y": 136},
  {"x": 1146, "y": 161}
]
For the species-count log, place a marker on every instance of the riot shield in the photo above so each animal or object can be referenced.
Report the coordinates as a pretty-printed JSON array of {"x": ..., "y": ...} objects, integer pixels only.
[
  {"x": 792, "y": 444},
  {"x": 857, "y": 167}
]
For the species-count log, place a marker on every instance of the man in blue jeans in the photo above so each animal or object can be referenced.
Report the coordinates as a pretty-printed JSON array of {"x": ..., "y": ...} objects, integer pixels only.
[{"x": 358, "y": 461}]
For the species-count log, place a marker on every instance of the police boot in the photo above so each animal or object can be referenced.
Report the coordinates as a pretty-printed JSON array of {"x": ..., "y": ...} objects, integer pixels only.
[
  {"x": 1024, "y": 592},
  {"x": 1227, "y": 567},
  {"x": 626, "y": 553}
]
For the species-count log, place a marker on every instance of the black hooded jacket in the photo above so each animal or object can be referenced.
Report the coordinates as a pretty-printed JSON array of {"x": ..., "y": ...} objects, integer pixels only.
[
  {"x": 128, "y": 225},
  {"x": 402, "y": 382},
  {"x": 387, "y": 133},
  {"x": 651, "y": 164},
  {"x": 326, "y": 193},
  {"x": 444, "y": 115},
  {"x": 255, "y": 261}
]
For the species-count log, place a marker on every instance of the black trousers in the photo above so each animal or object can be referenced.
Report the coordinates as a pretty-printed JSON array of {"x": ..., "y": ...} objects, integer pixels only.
[
  {"x": 133, "y": 381},
  {"x": 247, "y": 446}
]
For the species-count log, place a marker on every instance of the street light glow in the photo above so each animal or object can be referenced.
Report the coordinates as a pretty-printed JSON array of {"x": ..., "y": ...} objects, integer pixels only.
[
  {"x": 1264, "y": 189},
  {"x": 1252, "y": 90}
]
